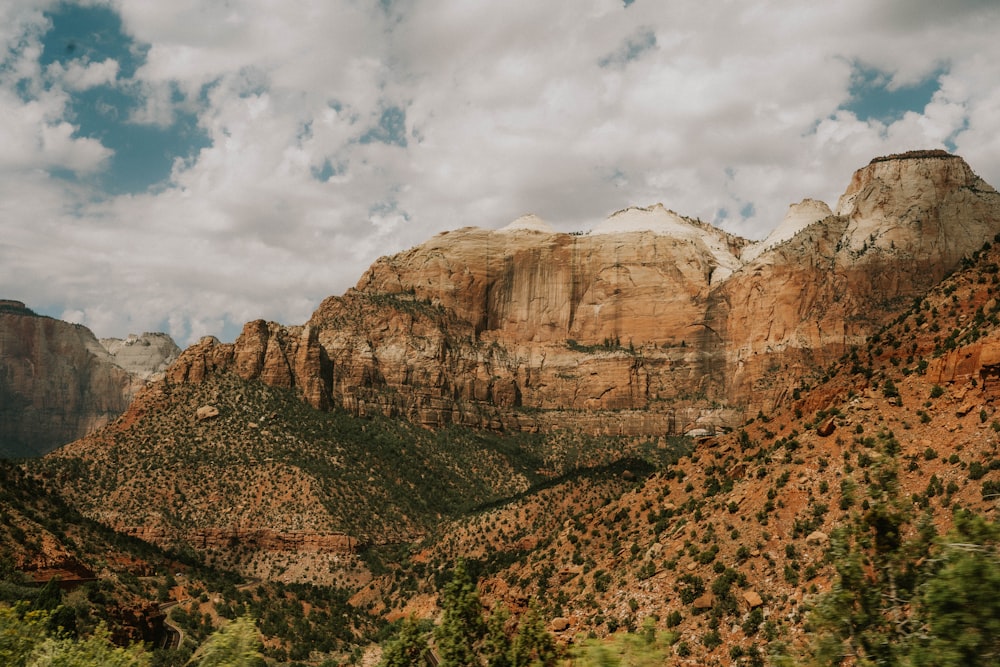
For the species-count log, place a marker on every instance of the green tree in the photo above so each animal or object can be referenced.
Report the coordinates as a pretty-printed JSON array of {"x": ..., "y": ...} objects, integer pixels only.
[
  {"x": 235, "y": 645},
  {"x": 409, "y": 648},
  {"x": 533, "y": 646},
  {"x": 916, "y": 603},
  {"x": 496, "y": 647},
  {"x": 462, "y": 625},
  {"x": 867, "y": 615},
  {"x": 961, "y": 601},
  {"x": 25, "y": 641}
]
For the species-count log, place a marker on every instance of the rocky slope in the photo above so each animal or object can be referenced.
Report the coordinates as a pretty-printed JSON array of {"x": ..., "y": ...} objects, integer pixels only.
[
  {"x": 666, "y": 321},
  {"x": 59, "y": 383},
  {"x": 736, "y": 543},
  {"x": 856, "y": 370}
]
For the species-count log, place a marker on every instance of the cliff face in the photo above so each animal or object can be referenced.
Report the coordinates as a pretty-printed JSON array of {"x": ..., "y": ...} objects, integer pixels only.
[
  {"x": 649, "y": 312},
  {"x": 57, "y": 382},
  {"x": 902, "y": 225},
  {"x": 147, "y": 356},
  {"x": 287, "y": 357}
]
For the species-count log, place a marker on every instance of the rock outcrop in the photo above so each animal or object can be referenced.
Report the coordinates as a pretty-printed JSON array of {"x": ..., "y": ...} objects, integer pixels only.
[
  {"x": 903, "y": 224},
  {"x": 670, "y": 323},
  {"x": 147, "y": 356},
  {"x": 288, "y": 357},
  {"x": 58, "y": 383}
]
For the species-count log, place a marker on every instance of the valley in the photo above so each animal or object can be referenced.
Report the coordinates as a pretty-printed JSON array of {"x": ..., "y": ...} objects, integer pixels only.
[{"x": 653, "y": 429}]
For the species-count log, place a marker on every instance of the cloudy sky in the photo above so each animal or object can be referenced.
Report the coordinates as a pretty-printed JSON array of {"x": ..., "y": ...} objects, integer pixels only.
[{"x": 190, "y": 165}]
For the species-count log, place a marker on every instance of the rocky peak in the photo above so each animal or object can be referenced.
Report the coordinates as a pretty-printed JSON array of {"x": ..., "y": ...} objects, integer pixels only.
[
  {"x": 14, "y": 307},
  {"x": 146, "y": 356},
  {"x": 923, "y": 203},
  {"x": 279, "y": 356},
  {"x": 650, "y": 312},
  {"x": 528, "y": 223},
  {"x": 798, "y": 217}
]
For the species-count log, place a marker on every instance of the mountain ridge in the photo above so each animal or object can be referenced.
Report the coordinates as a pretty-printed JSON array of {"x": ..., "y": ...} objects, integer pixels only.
[
  {"x": 482, "y": 327},
  {"x": 58, "y": 382}
]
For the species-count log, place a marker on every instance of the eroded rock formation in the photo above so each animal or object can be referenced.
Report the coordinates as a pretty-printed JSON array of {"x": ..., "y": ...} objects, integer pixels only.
[
  {"x": 665, "y": 320},
  {"x": 58, "y": 383}
]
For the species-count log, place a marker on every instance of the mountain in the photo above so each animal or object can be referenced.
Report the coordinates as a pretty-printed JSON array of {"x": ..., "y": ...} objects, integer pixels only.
[
  {"x": 519, "y": 397},
  {"x": 666, "y": 322},
  {"x": 58, "y": 382}
]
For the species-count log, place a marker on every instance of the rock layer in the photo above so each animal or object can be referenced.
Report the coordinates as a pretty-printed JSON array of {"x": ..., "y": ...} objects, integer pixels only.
[
  {"x": 57, "y": 382},
  {"x": 659, "y": 318}
]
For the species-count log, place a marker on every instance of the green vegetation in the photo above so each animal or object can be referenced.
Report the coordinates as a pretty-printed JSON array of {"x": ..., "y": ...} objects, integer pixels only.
[
  {"x": 466, "y": 638},
  {"x": 28, "y": 639},
  {"x": 646, "y": 648},
  {"x": 921, "y": 602},
  {"x": 369, "y": 477}
]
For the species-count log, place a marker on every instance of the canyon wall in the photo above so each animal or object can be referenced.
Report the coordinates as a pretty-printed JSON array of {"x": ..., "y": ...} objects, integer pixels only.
[
  {"x": 59, "y": 383},
  {"x": 649, "y": 314}
]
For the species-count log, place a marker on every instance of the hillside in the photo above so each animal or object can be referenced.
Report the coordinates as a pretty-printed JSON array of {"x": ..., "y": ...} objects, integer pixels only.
[
  {"x": 272, "y": 487},
  {"x": 734, "y": 544},
  {"x": 520, "y": 398}
]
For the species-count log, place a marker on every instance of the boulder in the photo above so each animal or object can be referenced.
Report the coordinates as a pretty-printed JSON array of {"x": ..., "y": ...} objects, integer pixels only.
[{"x": 206, "y": 412}]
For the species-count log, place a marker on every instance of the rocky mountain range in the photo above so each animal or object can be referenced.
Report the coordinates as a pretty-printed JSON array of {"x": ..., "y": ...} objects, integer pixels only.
[
  {"x": 652, "y": 422},
  {"x": 59, "y": 383},
  {"x": 650, "y": 323}
]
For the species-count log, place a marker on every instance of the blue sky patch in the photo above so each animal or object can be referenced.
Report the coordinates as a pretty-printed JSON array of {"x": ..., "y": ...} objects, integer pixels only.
[
  {"x": 143, "y": 154},
  {"x": 391, "y": 128},
  {"x": 632, "y": 49},
  {"x": 873, "y": 98}
]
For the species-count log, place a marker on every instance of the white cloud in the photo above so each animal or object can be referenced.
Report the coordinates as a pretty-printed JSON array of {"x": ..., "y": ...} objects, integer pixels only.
[
  {"x": 79, "y": 75},
  {"x": 508, "y": 110}
]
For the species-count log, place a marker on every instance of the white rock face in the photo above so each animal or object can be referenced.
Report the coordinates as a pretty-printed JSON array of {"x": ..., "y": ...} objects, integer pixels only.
[
  {"x": 145, "y": 356},
  {"x": 657, "y": 219},
  {"x": 661, "y": 221},
  {"x": 798, "y": 217},
  {"x": 527, "y": 223}
]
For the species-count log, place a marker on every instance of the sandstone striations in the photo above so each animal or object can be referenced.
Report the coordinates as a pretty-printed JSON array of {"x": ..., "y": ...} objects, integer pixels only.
[
  {"x": 286, "y": 357},
  {"x": 57, "y": 382},
  {"x": 903, "y": 224},
  {"x": 649, "y": 311},
  {"x": 146, "y": 356}
]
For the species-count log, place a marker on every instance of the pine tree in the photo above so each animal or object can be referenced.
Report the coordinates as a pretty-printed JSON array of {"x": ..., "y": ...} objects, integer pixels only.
[
  {"x": 961, "y": 601},
  {"x": 462, "y": 624},
  {"x": 236, "y": 645},
  {"x": 533, "y": 646},
  {"x": 409, "y": 649},
  {"x": 496, "y": 647}
]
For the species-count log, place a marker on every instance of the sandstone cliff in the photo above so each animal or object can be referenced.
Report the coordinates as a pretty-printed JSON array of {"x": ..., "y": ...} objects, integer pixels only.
[
  {"x": 648, "y": 312},
  {"x": 58, "y": 383},
  {"x": 903, "y": 224},
  {"x": 146, "y": 356}
]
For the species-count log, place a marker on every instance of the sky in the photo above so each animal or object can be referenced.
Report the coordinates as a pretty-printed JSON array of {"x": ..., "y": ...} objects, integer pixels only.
[{"x": 188, "y": 166}]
